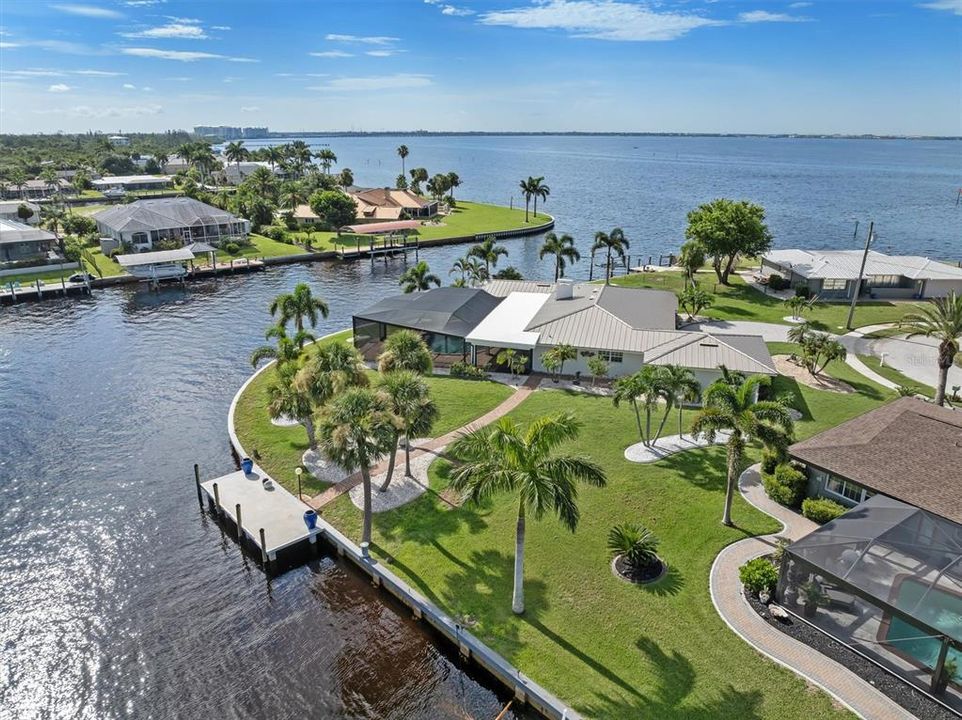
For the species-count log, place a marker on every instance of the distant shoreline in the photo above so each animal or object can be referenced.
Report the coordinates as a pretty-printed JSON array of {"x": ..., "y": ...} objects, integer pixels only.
[{"x": 483, "y": 133}]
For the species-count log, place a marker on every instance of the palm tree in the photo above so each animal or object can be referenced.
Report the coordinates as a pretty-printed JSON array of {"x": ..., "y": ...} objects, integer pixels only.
[
  {"x": 418, "y": 176},
  {"x": 263, "y": 182},
  {"x": 275, "y": 155},
  {"x": 405, "y": 350},
  {"x": 418, "y": 277},
  {"x": 736, "y": 410},
  {"x": 327, "y": 158},
  {"x": 285, "y": 398},
  {"x": 161, "y": 158},
  {"x": 680, "y": 386},
  {"x": 510, "y": 459},
  {"x": 356, "y": 430},
  {"x": 477, "y": 273},
  {"x": 53, "y": 219},
  {"x": 50, "y": 179},
  {"x": 188, "y": 153},
  {"x": 563, "y": 249},
  {"x": 488, "y": 252},
  {"x": 453, "y": 182},
  {"x": 641, "y": 390},
  {"x": 335, "y": 367},
  {"x": 561, "y": 353},
  {"x": 18, "y": 178},
  {"x": 461, "y": 266},
  {"x": 411, "y": 402},
  {"x": 235, "y": 152},
  {"x": 513, "y": 360},
  {"x": 525, "y": 186},
  {"x": 292, "y": 195},
  {"x": 613, "y": 242},
  {"x": 288, "y": 348},
  {"x": 691, "y": 259},
  {"x": 538, "y": 190},
  {"x": 402, "y": 153},
  {"x": 941, "y": 319},
  {"x": 298, "y": 306}
]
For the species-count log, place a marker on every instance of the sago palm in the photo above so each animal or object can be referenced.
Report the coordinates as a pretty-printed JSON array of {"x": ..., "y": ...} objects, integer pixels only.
[
  {"x": 736, "y": 409},
  {"x": 355, "y": 431},
  {"x": 563, "y": 250},
  {"x": 940, "y": 319},
  {"x": 522, "y": 461}
]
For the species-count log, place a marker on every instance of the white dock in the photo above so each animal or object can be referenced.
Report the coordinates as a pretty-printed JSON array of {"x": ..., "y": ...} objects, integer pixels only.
[{"x": 279, "y": 513}]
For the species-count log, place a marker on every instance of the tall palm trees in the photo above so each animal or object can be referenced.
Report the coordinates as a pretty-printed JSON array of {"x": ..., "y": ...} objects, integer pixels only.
[
  {"x": 418, "y": 176},
  {"x": 525, "y": 186},
  {"x": 292, "y": 195},
  {"x": 680, "y": 386},
  {"x": 285, "y": 398},
  {"x": 356, "y": 430},
  {"x": 402, "y": 152},
  {"x": 941, "y": 319},
  {"x": 327, "y": 158},
  {"x": 412, "y": 404},
  {"x": 298, "y": 306},
  {"x": 335, "y": 368},
  {"x": 563, "y": 250},
  {"x": 538, "y": 190},
  {"x": 489, "y": 252},
  {"x": 235, "y": 152},
  {"x": 288, "y": 349},
  {"x": 418, "y": 277},
  {"x": 522, "y": 461},
  {"x": 641, "y": 390},
  {"x": 275, "y": 155},
  {"x": 735, "y": 409},
  {"x": 613, "y": 242}
]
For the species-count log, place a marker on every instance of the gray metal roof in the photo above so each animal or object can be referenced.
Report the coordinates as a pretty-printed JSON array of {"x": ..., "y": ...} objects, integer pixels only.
[
  {"x": 162, "y": 213},
  {"x": 637, "y": 308},
  {"x": 12, "y": 231},
  {"x": 502, "y": 288},
  {"x": 447, "y": 310},
  {"x": 149, "y": 258},
  {"x": 201, "y": 247},
  {"x": 845, "y": 264},
  {"x": 744, "y": 353}
]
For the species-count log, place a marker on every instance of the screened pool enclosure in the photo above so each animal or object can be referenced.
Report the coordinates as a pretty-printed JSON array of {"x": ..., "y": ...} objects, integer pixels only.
[{"x": 885, "y": 579}]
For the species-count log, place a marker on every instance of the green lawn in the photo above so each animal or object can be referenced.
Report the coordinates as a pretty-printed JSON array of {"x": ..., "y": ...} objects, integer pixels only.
[
  {"x": 279, "y": 449},
  {"x": 260, "y": 247},
  {"x": 611, "y": 649},
  {"x": 468, "y": 218},
  {"x": 740, "y": 301},
  {"x": 88, "y": 209},
  {"x": 890, "y": 373}
]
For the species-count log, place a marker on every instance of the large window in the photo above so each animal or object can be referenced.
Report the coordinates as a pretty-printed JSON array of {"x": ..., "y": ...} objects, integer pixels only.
[
  {"x": 611, "y": 356},
  {"x": 834, "y": 284},
  {"x": 841, "y": 487}
]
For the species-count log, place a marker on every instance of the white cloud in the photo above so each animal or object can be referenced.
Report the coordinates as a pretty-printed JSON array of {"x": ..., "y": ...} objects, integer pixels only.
[
  {"x": 107, "y": 111},
  {"x": 59, "y": 88},
  {"x": 35, "y": 72},
  {"x": 143, "y": 3},
  {"x": 382, "y": 53},
  {"x": 376, "y": 82},
  {"x": 249, "y": 108},
  {"x": 98, "y": 73},
  {"x": 799, "y": 5},
  {"x": 761, "y": 16},
  {"x": 180, "y": 55},
  {"x": 91, "y": 11},
  {"x": 331, "y": 54},
  {"x": 456, "y": 11},
  {"x": 147, "y": 88},
  {"x": 4, "y": 45},
  {"x": 186, "y": 20},
  {"x": 181, "y": 31},
  {"x": 601, "y": 20},
  {"x": 220, "y": 27},
  {"x": 362, "y": 39},
  {"x": 128, "y": 86},
  {"x": 952, "y": 6}
]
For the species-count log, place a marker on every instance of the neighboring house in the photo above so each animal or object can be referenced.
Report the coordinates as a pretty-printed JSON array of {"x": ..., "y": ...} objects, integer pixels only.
[
  {"x": 142, "y": 223},
  {"x": 236, "y": 173},
  {"x": 132, "y": 183},
  {"x": 9, "y": 210},
  {"x": 175, "y": 164},
  {"x": 909, "y": 450},
  {"x": 627, "y": 327},
  {"x": 833, "y": 274},
  {"x": 378, "y": 204},
  {"x": 35, "y": 189},
  {"x": 22, "y": 242},
  {"x": 119, "y": 140}
]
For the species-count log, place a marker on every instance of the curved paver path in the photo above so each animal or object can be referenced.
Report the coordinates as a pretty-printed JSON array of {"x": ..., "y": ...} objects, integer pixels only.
[
  {"x": 519, "y": 396},
  {"x": 727, "y": 594},
  {"x": 851, "y": 358}
]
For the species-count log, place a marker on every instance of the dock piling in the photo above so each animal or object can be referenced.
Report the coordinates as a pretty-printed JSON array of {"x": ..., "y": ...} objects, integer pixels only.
[
  {"x": 240, "y": 526},
  {"x": 263, "y": 547},
  {"x": 200, "y": 495},
  {"x": 216, "y": 499}
]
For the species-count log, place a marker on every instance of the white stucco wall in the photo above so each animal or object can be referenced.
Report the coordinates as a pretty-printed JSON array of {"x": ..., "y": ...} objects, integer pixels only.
[{"x": 941, "y": 288}]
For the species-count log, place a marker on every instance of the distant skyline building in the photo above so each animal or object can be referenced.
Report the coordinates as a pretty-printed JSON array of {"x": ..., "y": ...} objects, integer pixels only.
[{"x": 229, "y": 132}]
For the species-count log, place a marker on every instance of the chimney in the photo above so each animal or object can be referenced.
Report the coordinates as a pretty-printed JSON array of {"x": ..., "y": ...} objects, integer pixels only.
[{"x": 564, "y": 290}]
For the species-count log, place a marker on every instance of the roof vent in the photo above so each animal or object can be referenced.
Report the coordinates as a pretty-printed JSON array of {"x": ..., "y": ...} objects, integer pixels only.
[
  {"x": 564, "y": 290},
  {"x": 708, "y": 343}
]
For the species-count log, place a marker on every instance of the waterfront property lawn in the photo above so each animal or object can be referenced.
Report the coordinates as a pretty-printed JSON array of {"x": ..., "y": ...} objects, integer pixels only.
[
  {"x": 740, "y": 301},
  {"x": 260, "y": 247},
  {"x": 890, "y": 373},
  {"x": 468, "y": 218},
  {"x": 611, "y": 649},
  {"x": 279, "y": 449}
]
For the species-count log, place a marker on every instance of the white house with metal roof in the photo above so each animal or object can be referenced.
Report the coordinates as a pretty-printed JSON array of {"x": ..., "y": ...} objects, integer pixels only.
[
  {"x": 833, "y": 274},
  {"x": 140, "y": 224}
]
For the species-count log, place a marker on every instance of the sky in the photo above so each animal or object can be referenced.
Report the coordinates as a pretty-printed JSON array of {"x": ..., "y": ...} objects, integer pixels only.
[{"x": 753, "y": 66}]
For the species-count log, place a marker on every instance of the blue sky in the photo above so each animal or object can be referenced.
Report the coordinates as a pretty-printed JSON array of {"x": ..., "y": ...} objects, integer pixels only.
[{"x": 845, "y": 66}]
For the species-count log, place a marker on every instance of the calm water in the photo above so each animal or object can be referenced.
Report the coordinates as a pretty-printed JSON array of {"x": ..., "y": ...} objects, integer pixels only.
[{"x": 119, "y": 599}]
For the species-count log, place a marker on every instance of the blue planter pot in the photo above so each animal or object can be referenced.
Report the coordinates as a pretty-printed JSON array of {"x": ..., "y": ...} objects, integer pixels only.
[
  {"x": 310, "y": 519},
  {"x": 247, "y": 465}
]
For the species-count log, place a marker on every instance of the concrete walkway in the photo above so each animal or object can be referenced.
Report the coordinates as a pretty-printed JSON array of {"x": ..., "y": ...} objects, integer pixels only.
[
  {"x": 859, "y": 696},
  {"x": 518, "y": 397},
  {"x": 851, "y": 359}
]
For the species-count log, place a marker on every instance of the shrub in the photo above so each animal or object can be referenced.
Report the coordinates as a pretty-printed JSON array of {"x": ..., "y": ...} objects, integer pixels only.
[
  {"x": 770, "y": 461},
  {"x": 758, "y": 575},
  {"x": 802, "y": 291},
  {"x": 635, "y": 543},
  {"x": 466, "y": 371},
  {"x": 821, "y": 510},
  {"x": 232, "y": 248},
  {"x": 275, "y": 233},
  {"x": 777, "y": 282},
  {"x": 786, "y": 485}
]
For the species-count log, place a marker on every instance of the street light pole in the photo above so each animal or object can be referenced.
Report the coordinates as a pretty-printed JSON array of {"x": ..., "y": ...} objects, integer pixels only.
[{"x": 861, "y": 271}]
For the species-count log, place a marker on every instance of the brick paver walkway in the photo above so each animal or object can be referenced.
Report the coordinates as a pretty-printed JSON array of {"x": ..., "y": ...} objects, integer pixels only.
[
  {"x": 515, "y": 399},
  {"x": 727, "y": 595}
]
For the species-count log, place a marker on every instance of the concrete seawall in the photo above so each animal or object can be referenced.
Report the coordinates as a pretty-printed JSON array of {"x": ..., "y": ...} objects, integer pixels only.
[{"x": 524, "y": 689}]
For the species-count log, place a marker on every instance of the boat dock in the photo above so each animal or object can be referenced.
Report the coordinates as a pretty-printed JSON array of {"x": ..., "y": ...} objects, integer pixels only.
[
  {"x": 388, "y": 248},
  {"x": 265, "y": 514},
  {"x": 11, "y": 293}
]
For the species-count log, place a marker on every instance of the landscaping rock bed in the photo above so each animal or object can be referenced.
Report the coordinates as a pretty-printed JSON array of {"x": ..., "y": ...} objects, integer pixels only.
[
  {"x": 640, "y": 577},
  {"x": 786, "y": 367},
  {"x": 901, "y": 692}
]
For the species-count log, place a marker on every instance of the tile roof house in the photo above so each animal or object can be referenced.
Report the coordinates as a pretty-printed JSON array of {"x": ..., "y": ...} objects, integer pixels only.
[
  {"x": 142, "y": 223},
  {"x": 909, "y": 450},
  {"x": 390, "y": 204},
  {"x": 832, "y": 274}
]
